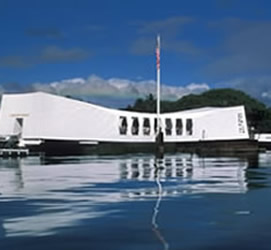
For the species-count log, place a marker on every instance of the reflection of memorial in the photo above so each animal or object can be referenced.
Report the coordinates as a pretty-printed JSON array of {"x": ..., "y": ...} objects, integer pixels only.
[
  {"x": 186, "y": 174},
  {"x": 49, "y": 197},
  {"x": 66, "y": 193},
  {"x": 11, "y": 175}
]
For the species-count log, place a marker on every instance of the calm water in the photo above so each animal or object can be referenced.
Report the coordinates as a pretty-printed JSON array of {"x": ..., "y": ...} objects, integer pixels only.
[{"x": 133, "y": 202}]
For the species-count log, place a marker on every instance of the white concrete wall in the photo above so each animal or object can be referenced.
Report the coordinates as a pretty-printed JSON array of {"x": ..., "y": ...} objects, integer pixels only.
[{"x": 53, "y": 117}]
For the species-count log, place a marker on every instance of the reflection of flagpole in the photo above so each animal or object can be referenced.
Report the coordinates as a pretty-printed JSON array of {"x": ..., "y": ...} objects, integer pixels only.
[
  {"x": 160, "y": 194},
  {"x": 155, "y": 226}
]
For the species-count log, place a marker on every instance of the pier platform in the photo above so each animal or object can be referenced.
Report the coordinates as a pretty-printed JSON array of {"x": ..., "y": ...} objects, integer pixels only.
[{"x": 13, "y": 152}]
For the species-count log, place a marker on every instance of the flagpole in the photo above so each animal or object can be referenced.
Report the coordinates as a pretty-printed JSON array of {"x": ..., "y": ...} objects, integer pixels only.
[
  {"x": 159, "y": 140},
  {"x": 158, "y": 83}
]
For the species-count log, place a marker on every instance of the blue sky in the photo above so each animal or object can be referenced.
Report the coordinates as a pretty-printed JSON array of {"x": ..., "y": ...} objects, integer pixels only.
[{"x": 219, "y": 43}]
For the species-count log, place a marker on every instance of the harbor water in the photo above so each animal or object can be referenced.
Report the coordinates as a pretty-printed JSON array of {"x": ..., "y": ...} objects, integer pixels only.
[{"x": 133, "y": 202}]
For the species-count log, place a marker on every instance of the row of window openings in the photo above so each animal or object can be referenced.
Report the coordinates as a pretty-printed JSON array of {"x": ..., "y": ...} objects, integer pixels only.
[{"x": 123, "y": 128}]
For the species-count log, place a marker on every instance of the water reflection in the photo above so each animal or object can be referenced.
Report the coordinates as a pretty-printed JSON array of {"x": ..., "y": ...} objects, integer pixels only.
[
  {"x": 188, "y": 174},
  {"x": 53, "y": 196},
  {"x": 11, "y": 171},
  {"x": 49, "y": 196},
  {"x": 155, "y": 227}
]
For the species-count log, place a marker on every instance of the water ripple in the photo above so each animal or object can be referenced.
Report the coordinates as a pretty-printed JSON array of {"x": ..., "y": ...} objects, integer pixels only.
[{"x": 53, "y": 196}]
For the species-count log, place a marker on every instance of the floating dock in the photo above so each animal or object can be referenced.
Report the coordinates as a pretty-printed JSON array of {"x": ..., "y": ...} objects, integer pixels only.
[{"x": 13, "y": 152}]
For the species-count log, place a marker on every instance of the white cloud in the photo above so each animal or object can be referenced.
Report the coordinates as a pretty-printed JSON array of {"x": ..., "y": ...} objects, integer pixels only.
[
  {"x": 57, "y": 54},
  {"x": 43, "y": 32},
  {"x": 49, "y": 54},
  {"x": 245, "y": 50},
  {"x": 170, "y": 30},
  {"x": 14, "y": 61},
  {"x": 168, "y": 27},
  {"x": 95, "y": 86},
  {"x": 266, "y": 95},
  {"x": 258, "y": 87}
]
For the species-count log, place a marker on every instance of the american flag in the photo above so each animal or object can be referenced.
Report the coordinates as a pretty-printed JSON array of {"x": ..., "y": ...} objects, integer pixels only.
[{"x": 158, "y": 53}]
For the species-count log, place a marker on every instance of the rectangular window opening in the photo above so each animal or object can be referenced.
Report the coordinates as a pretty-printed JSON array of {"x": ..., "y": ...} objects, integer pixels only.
[
  {"x": 146, "y": 126},
  {"x": 179, "y": 126},
  {"x": 189, "y": 126},
  {"x": 135, "y": 126},
  {"x": 123, "y": 125},
  {"x": 168, "y": 126}
]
